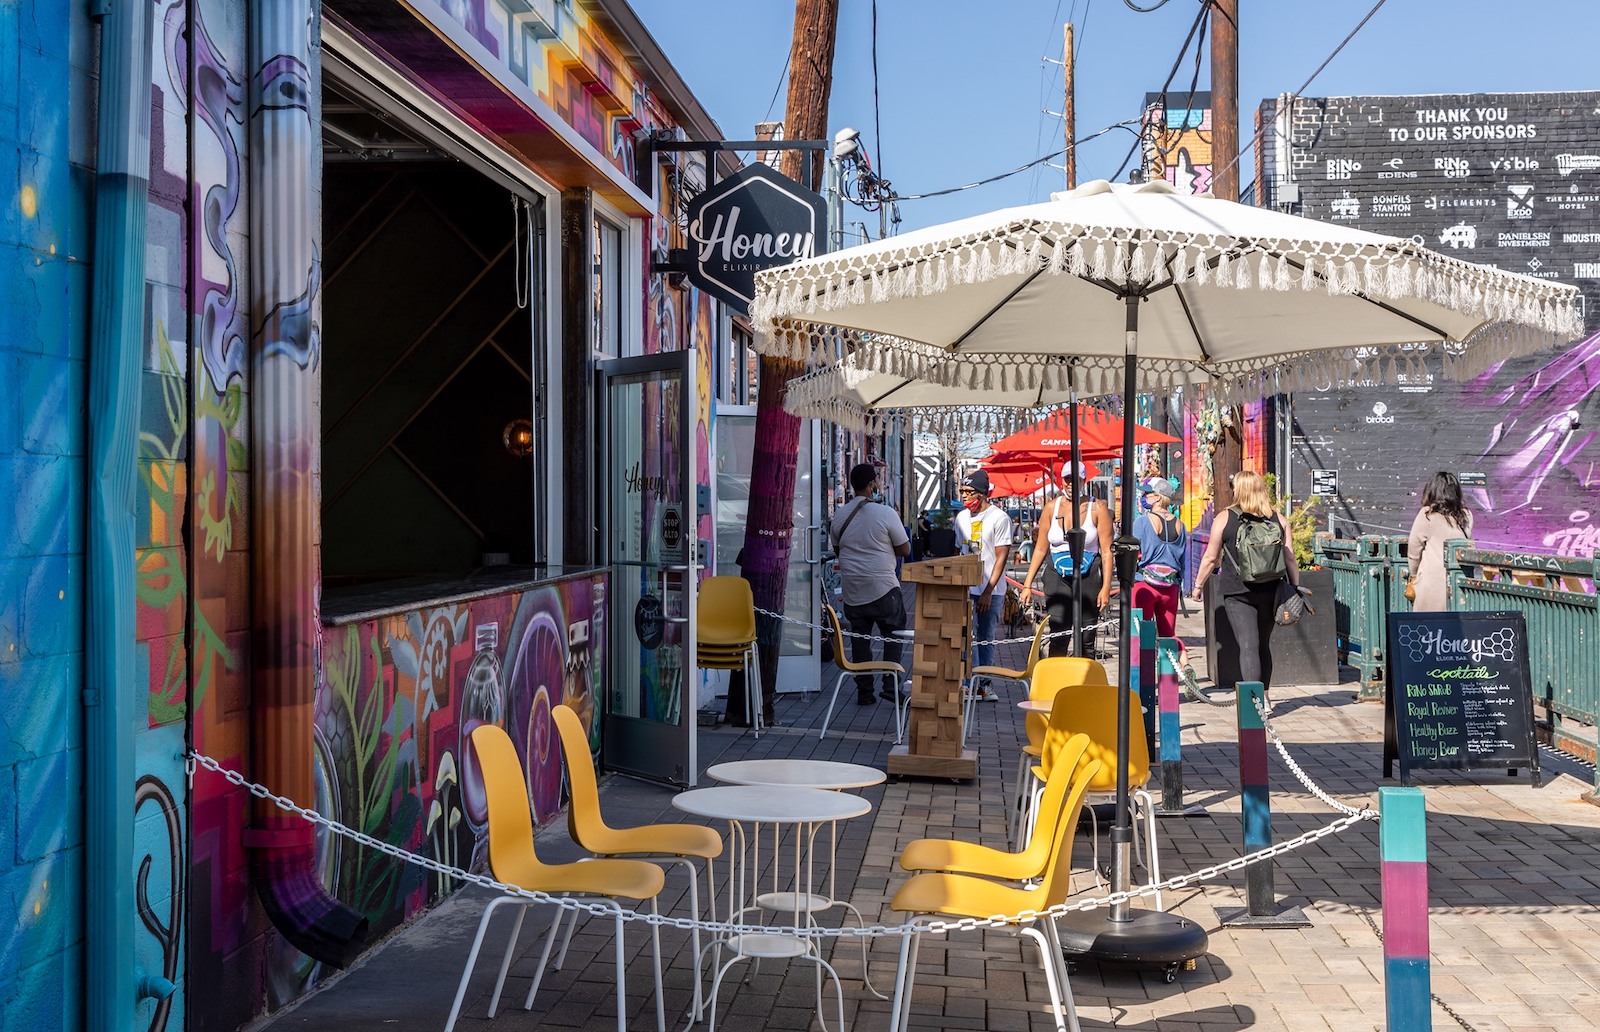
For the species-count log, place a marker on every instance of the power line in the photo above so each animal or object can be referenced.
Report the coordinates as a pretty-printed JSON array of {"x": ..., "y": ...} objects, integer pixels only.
[
  {"x": 1296, "y": 94},
  {"x": 877, "y": 123},
  {"x": 783, "y": 77},
  {"x": 1199, "y": 19},
  {"x": 1124, "y": 124},
  {"x": 1146, "y": 10}
]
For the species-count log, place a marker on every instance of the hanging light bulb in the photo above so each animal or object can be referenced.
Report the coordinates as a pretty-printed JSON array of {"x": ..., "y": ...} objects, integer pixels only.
[{"x": 518, "y": 438}]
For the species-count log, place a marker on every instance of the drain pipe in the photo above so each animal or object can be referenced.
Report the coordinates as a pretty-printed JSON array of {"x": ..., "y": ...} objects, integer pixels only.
[
  {"x": 116, "y": 323},
  {"x": 286, "y": 436}
]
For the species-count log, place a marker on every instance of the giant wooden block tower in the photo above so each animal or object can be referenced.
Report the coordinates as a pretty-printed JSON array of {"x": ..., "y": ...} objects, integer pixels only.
[{"x": 938, "y": 648}]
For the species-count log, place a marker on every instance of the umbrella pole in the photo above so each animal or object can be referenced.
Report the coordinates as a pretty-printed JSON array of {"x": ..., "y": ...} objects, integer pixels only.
[
  {"x": 1124, "y": 933},
  {"x": 1075, "y": 536}
]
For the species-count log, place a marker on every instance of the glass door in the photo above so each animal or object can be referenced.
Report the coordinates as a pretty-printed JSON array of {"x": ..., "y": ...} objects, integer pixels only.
[
  {"x": 649, "y": 529},
  {"x": 799, "y": 665}
]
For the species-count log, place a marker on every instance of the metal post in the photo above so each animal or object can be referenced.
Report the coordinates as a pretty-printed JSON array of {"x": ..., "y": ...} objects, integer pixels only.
[
  {"x": 1146, "y": 641},
  {"x": 1261, "y": 909},
  {"x": 1403, "y": 849},
  {"x": 1171, "y": 733}
]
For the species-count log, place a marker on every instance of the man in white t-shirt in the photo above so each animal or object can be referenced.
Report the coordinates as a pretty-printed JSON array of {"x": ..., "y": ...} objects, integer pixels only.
[
  {"x": 869, "y": 539},
  {"x": 986, "y": 530}
]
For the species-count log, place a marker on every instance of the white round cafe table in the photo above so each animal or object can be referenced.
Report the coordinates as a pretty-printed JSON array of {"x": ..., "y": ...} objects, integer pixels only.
[
  {"x": 1036, "y": 706},
  {"x": 825, "y": 774},
  {"x": 777, "y": 805}
]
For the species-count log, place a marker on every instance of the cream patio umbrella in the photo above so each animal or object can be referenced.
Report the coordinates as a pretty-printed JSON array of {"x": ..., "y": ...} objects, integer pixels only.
[{"x": 1145, "y": 288}]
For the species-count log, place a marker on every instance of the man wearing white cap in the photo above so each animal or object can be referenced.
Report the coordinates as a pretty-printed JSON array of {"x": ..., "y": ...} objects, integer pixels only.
[{"x": 986, "y": 530}]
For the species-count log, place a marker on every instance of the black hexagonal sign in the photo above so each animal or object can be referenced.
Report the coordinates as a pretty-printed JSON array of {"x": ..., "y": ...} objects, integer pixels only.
[{"x": 755, "y": 219}]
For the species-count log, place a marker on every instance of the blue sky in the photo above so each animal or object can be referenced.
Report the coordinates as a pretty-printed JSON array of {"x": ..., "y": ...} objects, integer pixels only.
[{"x": 961, "y": 85}]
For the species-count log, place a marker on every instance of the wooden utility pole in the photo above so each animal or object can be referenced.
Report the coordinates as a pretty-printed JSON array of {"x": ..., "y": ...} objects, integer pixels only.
[
  {"x": 1068, "y": 115},
  {"x": 1225, "y": 98},
  {"x": 769, "y": 527},
  {"x": 1228, "y": 459}
]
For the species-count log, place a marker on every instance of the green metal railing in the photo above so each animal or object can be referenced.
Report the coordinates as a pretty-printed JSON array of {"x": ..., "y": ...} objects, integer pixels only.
[
  {"x": 1555, "y": 594},
  {"x": 1359, "y": 608}
]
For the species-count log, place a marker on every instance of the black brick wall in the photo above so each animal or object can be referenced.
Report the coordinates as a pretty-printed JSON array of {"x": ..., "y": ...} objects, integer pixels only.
[{"x": 1509, "y": 180}]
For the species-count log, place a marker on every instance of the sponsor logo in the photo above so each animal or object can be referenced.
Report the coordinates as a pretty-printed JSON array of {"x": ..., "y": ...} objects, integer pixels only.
[
  {"x": 1586, "y": 270},
  {"x": 1453, "y": 168},
  {"x": 1567, "y": 164},
  {"x": 1342, "y": 168},
  {"x": 1519, "y": 201},
  {"x": 1390, "y": 206},
  {"x": 1514, "y": 164},
  {"x": 1345, "y": 208},
  {"x": 1394, "y": 169},
  {"x": 1521, "y": 239},
  {"x": 1580, "y": 238},
  {"x": 1379, "y": 414},
  {"x": 1459, "y": 235}
]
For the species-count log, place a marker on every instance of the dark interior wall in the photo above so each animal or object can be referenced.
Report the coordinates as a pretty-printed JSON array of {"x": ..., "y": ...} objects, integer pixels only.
[{"x": 426, "y": 357}]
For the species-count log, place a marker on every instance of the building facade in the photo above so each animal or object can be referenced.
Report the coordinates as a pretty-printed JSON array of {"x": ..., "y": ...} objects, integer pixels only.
[
  {"x": 338, "y": 394},
  {"x": 1508, "y": 180}
]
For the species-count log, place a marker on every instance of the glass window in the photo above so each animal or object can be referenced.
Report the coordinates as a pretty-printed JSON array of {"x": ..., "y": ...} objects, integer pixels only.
[{"x": 608, "y": 293}]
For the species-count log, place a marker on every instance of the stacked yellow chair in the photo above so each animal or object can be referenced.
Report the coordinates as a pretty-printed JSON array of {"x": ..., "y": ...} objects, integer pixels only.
[
  {"x": 512, "y": 860},
  {"x": 951, "y": 893},
  {"x": 725, "y": 636},
  {"x": 677, "y": 843},
  {"x": 1091, "y": 709},
  {"x": 1048, "y": 677},
  {"x": 849, "y": 668}
]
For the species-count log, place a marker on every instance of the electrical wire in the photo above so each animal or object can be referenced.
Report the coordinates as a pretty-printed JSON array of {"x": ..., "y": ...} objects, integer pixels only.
[
  {"x": 1296, "y": 94},
  {"x": 1124, "y": 124},
  {"x": 877, "y": 123},
  {"x": 1205, "y": 9},
  {"x": 1146, "y": 10},
  {"x": 783, "y": 77}
]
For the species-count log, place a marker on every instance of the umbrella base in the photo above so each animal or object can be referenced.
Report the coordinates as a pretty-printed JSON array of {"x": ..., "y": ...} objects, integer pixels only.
[{"x": 1146, "y": 937}]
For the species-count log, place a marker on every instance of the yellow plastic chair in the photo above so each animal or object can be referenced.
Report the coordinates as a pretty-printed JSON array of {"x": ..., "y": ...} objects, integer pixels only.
[
  {"x": 1000, "y": 673},
  {"x": 1091, "y": 709},
  {"x": 725, "y": 636},
  {"x": 512, "y": 860},
  {"x": 962, "y": 895},
  {"x": 679, "y": 843},
  {"x": 1049, "y": 675},
  {"x": 954, "y": 856},
  {"x": 849, "y": 668}
]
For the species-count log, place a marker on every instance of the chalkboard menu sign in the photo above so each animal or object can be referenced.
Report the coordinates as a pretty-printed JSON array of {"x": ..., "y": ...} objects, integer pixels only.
[{"x": 1458, "y": 694}]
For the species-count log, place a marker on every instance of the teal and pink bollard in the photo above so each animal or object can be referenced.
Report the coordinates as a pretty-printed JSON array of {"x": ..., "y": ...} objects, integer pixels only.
[
  {"x": 1170, "y": 732},
  {"x": 1403, "y": 848},
  {"x": 1261, "y": 908}
]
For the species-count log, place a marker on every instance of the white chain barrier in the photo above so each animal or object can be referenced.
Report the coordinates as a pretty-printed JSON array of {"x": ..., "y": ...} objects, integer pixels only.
[
  {"x": 1352, "y": 818},
  {"x": 1299, "y": 772},
  {"x": 880, "y": 638}
]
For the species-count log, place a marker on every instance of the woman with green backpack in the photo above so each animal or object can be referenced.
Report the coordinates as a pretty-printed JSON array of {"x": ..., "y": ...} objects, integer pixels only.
[{"x": 1251, "y": 553}]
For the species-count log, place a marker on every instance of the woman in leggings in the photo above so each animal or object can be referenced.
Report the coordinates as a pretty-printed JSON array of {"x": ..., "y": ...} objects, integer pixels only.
[
  {"x": 1089, "y": 589},
  {"x": 1244, "y": 632}
]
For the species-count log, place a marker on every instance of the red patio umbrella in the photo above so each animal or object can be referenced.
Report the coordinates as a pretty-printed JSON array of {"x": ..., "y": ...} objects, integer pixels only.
[
  {"x": 1099, "y": 437},
  {"x": 1008, "y": 479}
]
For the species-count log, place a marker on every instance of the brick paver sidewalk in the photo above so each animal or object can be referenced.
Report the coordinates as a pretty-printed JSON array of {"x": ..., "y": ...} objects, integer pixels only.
[{"x": 1514, "y": 883}]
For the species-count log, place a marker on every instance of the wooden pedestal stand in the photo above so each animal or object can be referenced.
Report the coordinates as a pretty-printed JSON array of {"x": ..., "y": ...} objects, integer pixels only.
[{"x": 933, "y": 738}]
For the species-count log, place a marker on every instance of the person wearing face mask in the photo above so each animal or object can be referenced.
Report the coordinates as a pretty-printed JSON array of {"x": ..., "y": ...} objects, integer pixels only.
[
  {"x": 984, "y": 529},
  {"x": 1163, "y": 557},
  {"x": 869, "y": 540},
  {"x": 1088, "y": 588}
]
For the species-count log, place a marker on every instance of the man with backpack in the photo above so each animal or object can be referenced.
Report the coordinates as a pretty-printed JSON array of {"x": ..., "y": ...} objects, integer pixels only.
[{"x": 1251, "y": 552}]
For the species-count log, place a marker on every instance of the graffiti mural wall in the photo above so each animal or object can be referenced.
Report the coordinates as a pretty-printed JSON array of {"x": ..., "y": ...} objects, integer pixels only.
[
  {"x": 398, "y": 701},
  {"x": 1498, "y": 179}
]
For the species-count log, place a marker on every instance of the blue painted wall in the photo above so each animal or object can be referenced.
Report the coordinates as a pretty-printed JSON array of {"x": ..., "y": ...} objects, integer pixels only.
[{"x": 46, "y": 94}]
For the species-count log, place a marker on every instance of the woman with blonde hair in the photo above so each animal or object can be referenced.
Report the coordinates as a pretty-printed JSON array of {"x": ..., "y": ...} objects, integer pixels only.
[{"x": 1251, "y": 552}]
